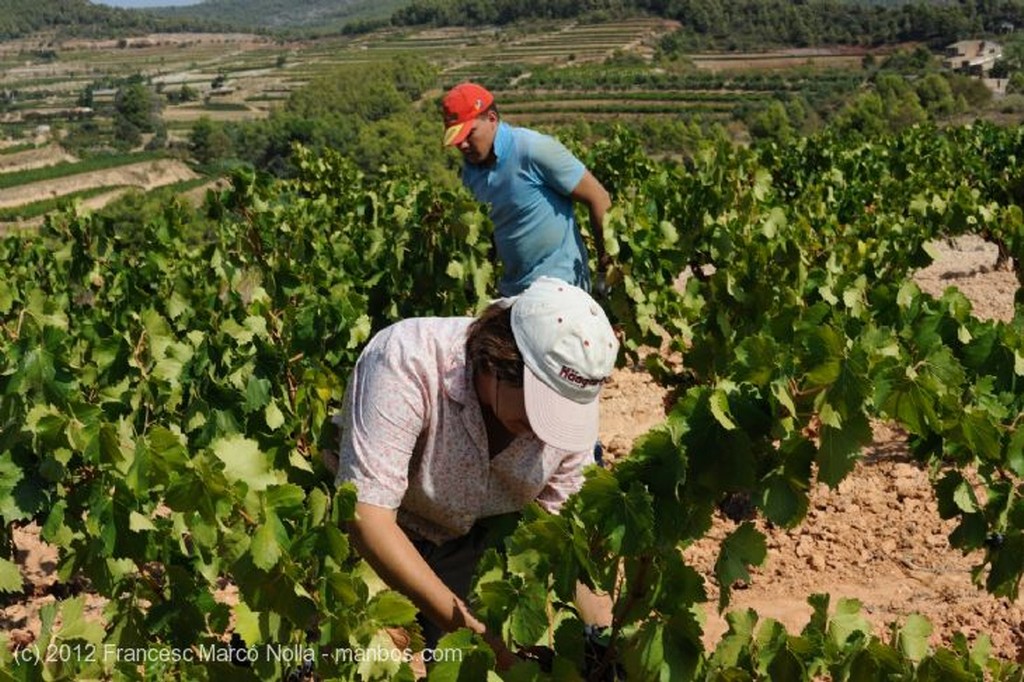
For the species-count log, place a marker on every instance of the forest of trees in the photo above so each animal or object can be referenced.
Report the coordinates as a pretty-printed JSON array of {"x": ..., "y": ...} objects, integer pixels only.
[
  {"x": 276, "y": 15},
  {"x": 82, "y": 18},
  {"x": 372, "y": 111},
  {"x": 720, "y": 24},
  {"x": 740, "y": 24}
]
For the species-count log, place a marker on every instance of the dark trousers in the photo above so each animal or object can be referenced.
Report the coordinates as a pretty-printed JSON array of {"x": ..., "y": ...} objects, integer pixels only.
[{"x": 455, "y": 561}]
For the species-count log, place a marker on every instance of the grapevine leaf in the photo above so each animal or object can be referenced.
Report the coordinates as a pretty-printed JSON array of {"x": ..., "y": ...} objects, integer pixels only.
[
  {"x": 273, "y": 416},
  {"x": 240, "y": 334},
  {"x": 456, "y": 270},
  {"x": 265, "y": 549},
  {"x": 167, "y": 448},
  {"x": 544, "y": 545},
  {"x": 247, "y": 624},
  {"x": 45, "y": 311},
  {"x": 530, "y": 619},
  {"x": 971, "y": 533},
  {"x": 359, "y": 331},
  {"x": 639, "y": 513},
  {"x": 840, "y": 448},
  {"x": 337, "y": 543},
  {"x": 847, "y": 622},
  {"x": 784, "y": 501},
  {"x": 36, "y": 371},
  {"x": 257, "y": 394},
  {"x": 682, "y": 654},
  {"x": 980, "y": 654},
  {"x": 55, "y": 530},
  {"x": 780, "y": 390},
  {"x": 669, "y": 233},
  {"x": 10, "y": 576},
  {"x": 720, "y": 409},
  {"x": 644, "y": 655},
  {"x": 786, "y": 666},
  {"x": 10, "y": 475},
  {"x": 913, "y": 637},
  {"x": 344, "y": 508},
  {"x": 981, "y": 434},
  {"x": 285, "y": 499},
  {"x": 176, "y": 305},
  {"x": 137, "y": 522},
  {"x": 775, "y": 221},
  {"x": 757, "y": 359},
  {"x": 762, "y": 183},
  {"x": 300, "y": 461},
  {"x": 744, "y": 547},
  {"x": 682, "y": 586},
  {"x": 736, "y": 641},
  {"x": 75, "y": 625},
  {"x": 1007, "y": 567},
  {"x": 6, "y": 298},
  {"x": 954, "y": 496},
  {"x": 381, "y": 667},
  {"x": 243, "y": 461},
  {"x": 624, "y": 520},
  {"x": 317, "y": 502},
  {"x": 494, "y": 601},
  {"x": 158, "y": 333},
  {"x": 391, "y": 608},
  {"x": 863, "y": 666},
  {"x": 474, "y": 662},
  {"x": 824, "y": 356},
  {"x": 21, "y": 496},
  {"x": 901, "y": 398},
  {"x": 1015, "y": 453},
  {"x": 946, "y": 666}
]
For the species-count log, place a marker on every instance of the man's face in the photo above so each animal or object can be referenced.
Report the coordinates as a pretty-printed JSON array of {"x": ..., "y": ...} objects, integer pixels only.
[{"x": 478, "y": 146}]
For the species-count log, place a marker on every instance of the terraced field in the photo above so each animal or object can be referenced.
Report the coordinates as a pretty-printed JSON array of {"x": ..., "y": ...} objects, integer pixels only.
[{"x": 553, "y": 74}]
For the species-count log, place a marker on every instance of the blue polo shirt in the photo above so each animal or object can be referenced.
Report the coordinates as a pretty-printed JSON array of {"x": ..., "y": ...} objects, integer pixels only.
[{"x": 528, "y": 189}]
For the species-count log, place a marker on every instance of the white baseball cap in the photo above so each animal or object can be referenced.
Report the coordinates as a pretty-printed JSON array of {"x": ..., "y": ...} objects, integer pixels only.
[{"x": 569, "y": 350}]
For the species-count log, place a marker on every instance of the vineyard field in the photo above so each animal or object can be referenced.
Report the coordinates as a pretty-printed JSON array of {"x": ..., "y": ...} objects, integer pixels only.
[
  {"x": 893, "y": 557},
  {"x": 167, "y": 388}
]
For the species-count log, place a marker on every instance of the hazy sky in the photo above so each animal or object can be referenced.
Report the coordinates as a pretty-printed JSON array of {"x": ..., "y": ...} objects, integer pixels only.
[{"x": 145, "y": 3}]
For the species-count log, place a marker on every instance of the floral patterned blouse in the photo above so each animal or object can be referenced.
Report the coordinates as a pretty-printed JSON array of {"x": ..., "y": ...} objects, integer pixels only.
[{"x": 413, "y": 437}]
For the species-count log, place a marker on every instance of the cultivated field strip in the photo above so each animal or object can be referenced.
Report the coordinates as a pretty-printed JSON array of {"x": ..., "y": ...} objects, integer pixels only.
[
  {"x": 541, "y": 74},
  {"x": 78, "y": 177}
]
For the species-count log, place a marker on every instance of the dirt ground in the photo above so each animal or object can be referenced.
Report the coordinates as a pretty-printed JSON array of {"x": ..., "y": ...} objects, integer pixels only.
[
  {"x": 877, "y": 538},
  {"x": 39, "y": 157},
  {"x": 144, "y": 175}
]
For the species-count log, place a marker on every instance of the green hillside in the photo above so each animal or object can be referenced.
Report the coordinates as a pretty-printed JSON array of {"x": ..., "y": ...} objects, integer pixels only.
[
  {"x": 81, "y": 18},
  {"x": 284, "y": 14},
  {"x": 750, "y": 24}
]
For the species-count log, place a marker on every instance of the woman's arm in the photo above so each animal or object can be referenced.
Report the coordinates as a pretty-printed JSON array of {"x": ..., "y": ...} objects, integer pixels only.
[{"x": 385, "y": 546}]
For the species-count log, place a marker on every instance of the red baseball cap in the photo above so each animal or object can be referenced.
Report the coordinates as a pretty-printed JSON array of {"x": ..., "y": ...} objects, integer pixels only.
[{"x": 462, "y": 104}]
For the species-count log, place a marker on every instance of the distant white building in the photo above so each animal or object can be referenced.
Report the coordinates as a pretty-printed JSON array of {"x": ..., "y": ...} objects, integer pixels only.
[{"x": 976, "y": 57}]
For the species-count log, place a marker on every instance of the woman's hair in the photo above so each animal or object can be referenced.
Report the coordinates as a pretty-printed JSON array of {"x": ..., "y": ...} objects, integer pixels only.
[{"x": 491, "y": 346}]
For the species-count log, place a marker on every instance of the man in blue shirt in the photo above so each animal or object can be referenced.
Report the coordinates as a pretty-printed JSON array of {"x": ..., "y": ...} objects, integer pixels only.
[{"x": 530, "y": 181}]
